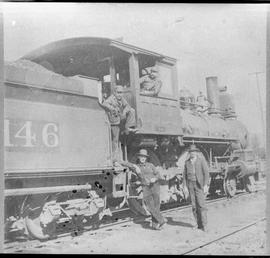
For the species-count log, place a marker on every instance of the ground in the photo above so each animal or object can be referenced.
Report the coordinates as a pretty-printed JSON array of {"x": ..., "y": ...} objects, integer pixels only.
[
  {"x": 177, "y": 237},
  {"x": 248, "y": 242}
]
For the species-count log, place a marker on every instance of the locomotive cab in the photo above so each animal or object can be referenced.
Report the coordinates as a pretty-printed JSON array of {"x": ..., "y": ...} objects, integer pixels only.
[{"x": 114, "y": 62}]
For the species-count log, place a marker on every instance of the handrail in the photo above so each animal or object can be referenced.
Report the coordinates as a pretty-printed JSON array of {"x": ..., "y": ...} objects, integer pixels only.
[
  {"x": 198, "y": 105},
  {"x": 159, "y": 97}
]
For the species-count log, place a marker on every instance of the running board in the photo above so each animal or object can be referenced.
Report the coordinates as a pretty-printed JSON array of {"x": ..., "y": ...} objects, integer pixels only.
[{"x": 41, "y": 190}]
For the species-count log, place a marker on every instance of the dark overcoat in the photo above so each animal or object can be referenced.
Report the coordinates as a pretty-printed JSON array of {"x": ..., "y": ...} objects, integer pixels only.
[{"x": 201, "y": 171}]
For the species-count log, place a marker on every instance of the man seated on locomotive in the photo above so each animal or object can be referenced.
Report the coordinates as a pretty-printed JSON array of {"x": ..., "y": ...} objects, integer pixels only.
[
  {"x": 202, "y": 102},
  {"x": 119, "y": 113},
  {"x": 150, "y": 83},
  {"x": 149, "y": 177},
  {"x": 145, "y": 74}
]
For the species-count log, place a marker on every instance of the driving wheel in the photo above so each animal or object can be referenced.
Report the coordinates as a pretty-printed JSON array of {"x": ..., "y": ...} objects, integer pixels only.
[
  {"x": 32, "y": 213},
  {"x": 230, "y": 186}
]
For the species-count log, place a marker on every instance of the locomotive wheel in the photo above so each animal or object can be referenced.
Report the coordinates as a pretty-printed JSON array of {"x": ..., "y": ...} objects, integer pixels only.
[
  {"x": 136, "y": 205},
  {"x": 230, "y": 186},
  {"x": 250, "y": 184},
  {"x": 31, "y": 213}
]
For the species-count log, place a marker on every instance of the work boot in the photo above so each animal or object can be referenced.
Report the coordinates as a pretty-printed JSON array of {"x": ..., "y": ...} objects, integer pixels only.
[
  {"x": 163, "y": 224},
  {"x": 155, "y": 225},
  {"x": 158, "y": 226},
  {"x": 205, "y": 229}
]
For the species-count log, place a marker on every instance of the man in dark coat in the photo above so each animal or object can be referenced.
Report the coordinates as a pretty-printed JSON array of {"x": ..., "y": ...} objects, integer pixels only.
[{"x": 196, "y": 178}]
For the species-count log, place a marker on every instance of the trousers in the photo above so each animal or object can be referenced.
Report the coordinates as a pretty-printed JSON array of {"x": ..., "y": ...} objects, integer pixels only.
[
  {"x": 126, "y": 122},
  {"x": 198, "y": 203},
  {"x": 115, "y": 129},
  {"x": 151, "y": 197},
  {"x": 129, "y": 120}
]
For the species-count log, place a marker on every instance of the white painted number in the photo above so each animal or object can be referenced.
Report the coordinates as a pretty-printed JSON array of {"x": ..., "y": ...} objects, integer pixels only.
[
  {"x": 50, "y": 138},
  {"x": 26, "y": 134},
  {"x": 30, "y": 134}
]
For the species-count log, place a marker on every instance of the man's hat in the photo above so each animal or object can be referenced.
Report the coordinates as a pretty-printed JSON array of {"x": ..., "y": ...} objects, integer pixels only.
[
  {"x": 119, "y": 88},
  {"x": 142, "y": 152},
  {"x": 144, "y": 71},
  {"x": 193, "y": 148}
]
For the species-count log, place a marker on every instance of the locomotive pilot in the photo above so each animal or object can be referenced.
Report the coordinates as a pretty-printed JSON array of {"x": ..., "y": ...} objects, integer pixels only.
[
  {"x": 119, "y": 113},
  {"x": 196, "y": 178},
  {"x": 149, "y": 177},
  {"x": 151, "y": 83}
]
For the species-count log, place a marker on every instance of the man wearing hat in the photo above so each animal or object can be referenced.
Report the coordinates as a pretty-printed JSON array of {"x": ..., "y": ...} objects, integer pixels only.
[
  {"x": 149, "y": 177},
  {"x": 151, "y": 83},
  {"x": 196, "y": 178},
  {"x": 202, "y": 102},
  {"x": 119, "y": 112}
]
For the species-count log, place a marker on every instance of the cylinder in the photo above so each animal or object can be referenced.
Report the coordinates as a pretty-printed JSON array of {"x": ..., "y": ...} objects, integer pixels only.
[{"x": 213, "y": 94}]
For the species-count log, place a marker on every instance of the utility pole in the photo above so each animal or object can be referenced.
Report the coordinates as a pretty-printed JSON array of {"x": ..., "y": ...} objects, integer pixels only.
[
  {"x": 268, "y": 131},
  {"x": 260, "y": 102}
]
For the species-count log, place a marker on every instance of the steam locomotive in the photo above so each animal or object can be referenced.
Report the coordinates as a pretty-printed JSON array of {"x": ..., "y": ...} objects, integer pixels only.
[{"x": 59, "y": 171}]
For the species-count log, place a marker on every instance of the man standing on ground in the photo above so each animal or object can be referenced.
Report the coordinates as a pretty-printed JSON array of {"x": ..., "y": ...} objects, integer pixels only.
[
  {"x": 149, "y": 177},
  {"x": 196, "y": 178}
]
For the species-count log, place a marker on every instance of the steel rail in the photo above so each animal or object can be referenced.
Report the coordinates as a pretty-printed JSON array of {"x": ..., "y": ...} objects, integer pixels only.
[{"x": 224, "y": 236}]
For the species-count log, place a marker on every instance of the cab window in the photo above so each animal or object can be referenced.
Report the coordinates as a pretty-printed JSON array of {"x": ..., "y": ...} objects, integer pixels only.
[
  {"x": 156, "y": 77},
  {"x": 165, "y": 75}
]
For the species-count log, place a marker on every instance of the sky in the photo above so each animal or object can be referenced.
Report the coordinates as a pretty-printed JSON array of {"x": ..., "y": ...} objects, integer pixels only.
[{"x": 224, "y": 40}]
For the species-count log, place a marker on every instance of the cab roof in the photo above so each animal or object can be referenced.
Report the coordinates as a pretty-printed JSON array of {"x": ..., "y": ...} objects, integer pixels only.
[{"x": 83, "y": 51}]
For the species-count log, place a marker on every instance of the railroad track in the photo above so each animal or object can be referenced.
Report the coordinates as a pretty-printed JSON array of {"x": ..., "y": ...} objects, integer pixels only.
[
  {"x": 127, "y": 218},
  {"x": 223, "y": 236},
  {"x": 183, "y": 207}
]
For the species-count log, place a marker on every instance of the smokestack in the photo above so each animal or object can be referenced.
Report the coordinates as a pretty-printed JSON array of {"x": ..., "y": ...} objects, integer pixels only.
[{"x": 213, "y": 94}]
